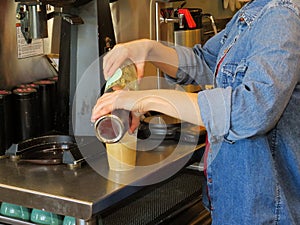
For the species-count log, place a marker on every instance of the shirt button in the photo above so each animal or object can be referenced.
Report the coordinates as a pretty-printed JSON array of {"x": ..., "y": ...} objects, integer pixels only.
[
  {"x": 209, "y": 180},
  {"x": 242, "y": 19}
]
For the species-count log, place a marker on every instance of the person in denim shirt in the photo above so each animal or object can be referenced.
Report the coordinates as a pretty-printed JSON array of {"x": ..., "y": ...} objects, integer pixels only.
[{"x": 252, "y": 115}]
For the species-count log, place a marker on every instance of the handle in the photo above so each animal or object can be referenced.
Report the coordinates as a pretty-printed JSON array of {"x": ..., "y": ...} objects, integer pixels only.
[{"x": 189, "y": 19}]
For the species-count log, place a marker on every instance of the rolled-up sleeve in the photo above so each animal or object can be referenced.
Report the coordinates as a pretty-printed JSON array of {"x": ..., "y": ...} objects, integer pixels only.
[
  {"x": 192, "y": 66},
  {"x": 215, "y": 106}
]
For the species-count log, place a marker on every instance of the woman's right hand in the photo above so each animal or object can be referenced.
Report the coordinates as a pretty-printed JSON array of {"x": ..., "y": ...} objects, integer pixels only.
[
  {"x": 137, "y": 51},
  {"x": 141, "y": 51}
]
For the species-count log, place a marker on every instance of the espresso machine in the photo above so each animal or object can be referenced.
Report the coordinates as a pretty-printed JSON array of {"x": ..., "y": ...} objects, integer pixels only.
[
  {"x": 75, "y": 55},
  {"x": 83, "y": 32}
]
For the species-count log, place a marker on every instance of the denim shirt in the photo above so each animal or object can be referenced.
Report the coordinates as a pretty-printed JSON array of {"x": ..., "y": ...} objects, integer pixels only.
[{"x": 252, "y": 115}]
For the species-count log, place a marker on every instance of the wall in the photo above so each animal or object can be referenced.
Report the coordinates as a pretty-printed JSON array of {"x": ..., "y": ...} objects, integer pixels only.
[{"x": 215, "y": 7}]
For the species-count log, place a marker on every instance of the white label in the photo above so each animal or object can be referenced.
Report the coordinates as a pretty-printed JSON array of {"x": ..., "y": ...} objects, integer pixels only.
[
  {"x": 116, "y": 76},
  {"x": 36, "y": 47}
]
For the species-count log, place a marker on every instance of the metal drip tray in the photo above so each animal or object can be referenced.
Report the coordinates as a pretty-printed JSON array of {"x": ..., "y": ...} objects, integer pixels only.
[{"x": 48, "y": 150}]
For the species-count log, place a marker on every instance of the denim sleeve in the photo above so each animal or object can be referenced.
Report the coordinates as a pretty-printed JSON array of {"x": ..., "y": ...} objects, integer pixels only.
[
  {"x": 256, "y": 105},
  {"x": 215, "y": 108},
  {"x": 272, "y": 74},
  {"x": 197, "y": 64}
]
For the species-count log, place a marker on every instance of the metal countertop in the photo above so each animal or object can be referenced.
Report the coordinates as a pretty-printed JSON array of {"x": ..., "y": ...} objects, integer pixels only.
[{"x": 89, "y": 190}]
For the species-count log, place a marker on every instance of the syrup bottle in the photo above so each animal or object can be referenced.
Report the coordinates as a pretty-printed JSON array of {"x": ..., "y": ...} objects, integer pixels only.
[{"x": 112, "y": 127}]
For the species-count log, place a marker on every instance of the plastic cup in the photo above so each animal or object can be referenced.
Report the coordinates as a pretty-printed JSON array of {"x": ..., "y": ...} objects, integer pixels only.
[
  {"x": 44, "y": 217},
  {"x": 15, "y": 211},
  {"x": 68, "y": 220},
  {"x": 122, "y": 155}
]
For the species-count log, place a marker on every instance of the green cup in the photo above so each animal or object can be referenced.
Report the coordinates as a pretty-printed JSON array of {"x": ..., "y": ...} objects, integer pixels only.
[
  {"x": 15, "y": 211},
  {"x": 69, "y": 220},
  {"x": 44, "y": 217}
]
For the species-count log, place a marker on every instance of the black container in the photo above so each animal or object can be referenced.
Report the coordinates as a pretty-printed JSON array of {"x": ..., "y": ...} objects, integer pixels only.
[
  {"x": 55, "y": 80},
  {"x": 47, "y": 97},
  {"x": 25, "y": 110},
  {"x": 55, "y": 97},
  {"x": 5, "y": 121},
  {"x": 197, "y": 16},
  {"x": 38, "y": 113}
]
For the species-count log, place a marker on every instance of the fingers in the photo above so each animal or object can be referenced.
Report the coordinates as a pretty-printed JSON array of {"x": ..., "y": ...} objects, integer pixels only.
[
  {"x": 140, "y": 70},
  {"x": 113, "y": 60},
  {"x": 232, "y": 5},
  {"x": 135, "y": 51},
  {"x": 225, "y": 4},
  {"x": 103, "y": 106},
  {"x": 135, "y": 122}
]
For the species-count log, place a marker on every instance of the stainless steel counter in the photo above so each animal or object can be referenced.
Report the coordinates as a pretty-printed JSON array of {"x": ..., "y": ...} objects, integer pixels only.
[{"x": 87, "y": 191}]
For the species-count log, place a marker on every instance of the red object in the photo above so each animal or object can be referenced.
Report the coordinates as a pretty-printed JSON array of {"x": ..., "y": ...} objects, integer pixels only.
[
  {"x": 4, "y": 92},
  {"x": 189, "y": 19}
]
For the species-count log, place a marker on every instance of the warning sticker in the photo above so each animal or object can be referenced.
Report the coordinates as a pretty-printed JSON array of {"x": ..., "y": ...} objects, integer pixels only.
[{"x": 36, "y": 47}]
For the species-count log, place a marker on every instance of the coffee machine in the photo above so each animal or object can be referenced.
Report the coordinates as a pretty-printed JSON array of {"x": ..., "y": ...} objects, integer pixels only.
[
  {"x": 80, "y": 29},
  {"x": 33, "y": 16},
  {"x": 77, "y": 19}
]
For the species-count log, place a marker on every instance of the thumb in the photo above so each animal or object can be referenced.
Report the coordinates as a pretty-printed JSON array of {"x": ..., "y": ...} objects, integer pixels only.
[
  {"x": 135, "y": 122},
  {"x": 140, "y": 67}
]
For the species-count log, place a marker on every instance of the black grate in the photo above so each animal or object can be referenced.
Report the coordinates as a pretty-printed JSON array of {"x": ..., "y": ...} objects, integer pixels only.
[{"x": 158, "y": 203}]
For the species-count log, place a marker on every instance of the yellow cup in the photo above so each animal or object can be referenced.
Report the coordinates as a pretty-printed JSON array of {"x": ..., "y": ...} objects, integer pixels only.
[{"x": 122, "y": 155}]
